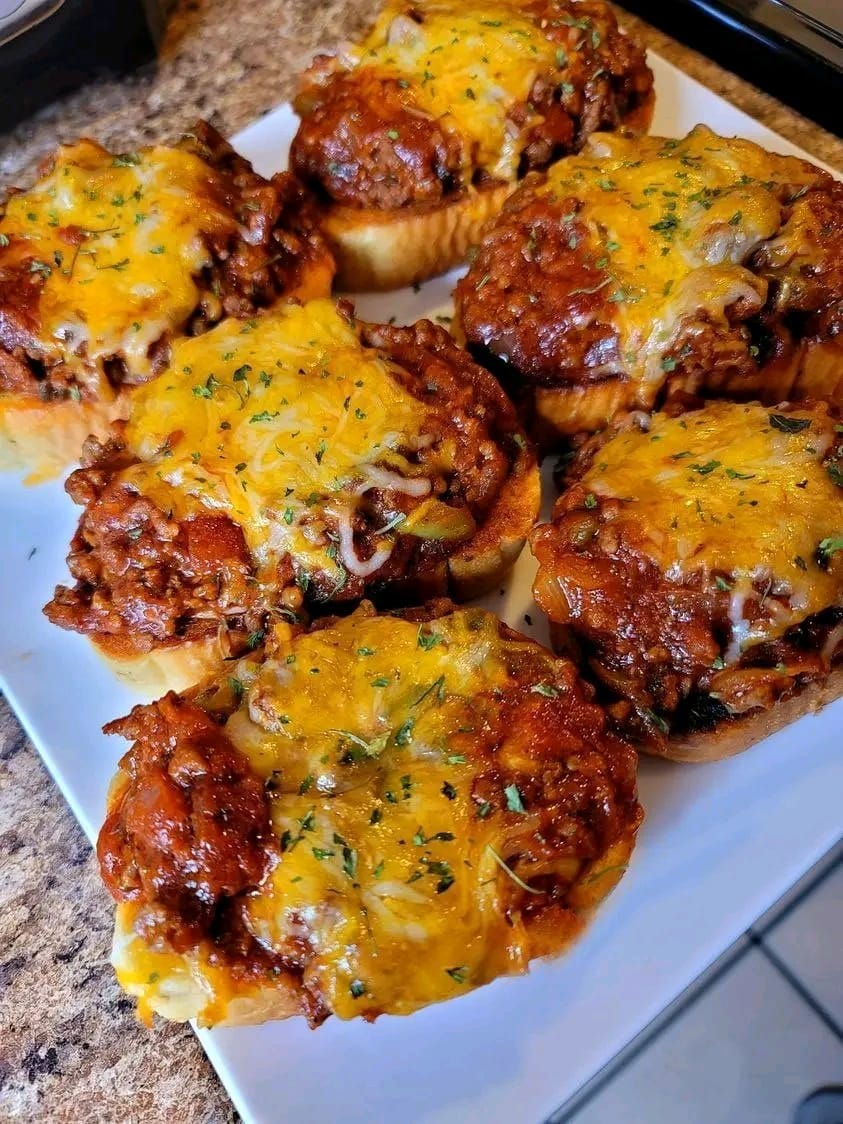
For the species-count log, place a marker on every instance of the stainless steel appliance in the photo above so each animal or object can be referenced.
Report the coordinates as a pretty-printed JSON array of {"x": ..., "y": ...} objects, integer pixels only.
[
  {"x": 48, "y": 47},
  {"x": 791, "y": 48}
]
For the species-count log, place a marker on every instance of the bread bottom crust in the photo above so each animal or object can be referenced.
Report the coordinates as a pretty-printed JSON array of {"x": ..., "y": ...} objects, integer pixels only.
[
  {"x": 733, "y": 735},
  {"x": 566, "y": 411},
  {"x": 477, "y": 568},
  {"x": 45, "y": 438},
  {"x": 169, "y": 668},
  {"x": 378, "y": 250},
  {"x": 737, "y": 734},
  {"x": 813, "y": 370}
]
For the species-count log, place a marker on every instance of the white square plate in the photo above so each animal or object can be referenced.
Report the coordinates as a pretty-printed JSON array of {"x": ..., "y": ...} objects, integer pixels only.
[{"x": 720, "y": 843}]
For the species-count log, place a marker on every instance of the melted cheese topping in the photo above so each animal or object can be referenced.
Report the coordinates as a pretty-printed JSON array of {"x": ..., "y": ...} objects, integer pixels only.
[
  {"x": 739, "y": 494},
  {"x": 282, "y": 423},
  {"x": 368, "y": 736},
  {"x": 670, "y": 224},
  {"x": 118, "y": 241},
  {"x": 468, "y": 66},
  {"x": 166, "y": 983}
]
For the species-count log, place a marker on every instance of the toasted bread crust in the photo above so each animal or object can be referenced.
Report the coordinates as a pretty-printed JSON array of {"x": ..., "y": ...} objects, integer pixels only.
[
  {"x": 162, "y": 669},
  {"x": 809, "y": 369},
  {"x": 737, "y": 734},
  {"x": 43, "y": 438},
  {"x": 478, "y": 566},
  {"x": 567, "y": 411},
  {"x": 378, "y": 250}
]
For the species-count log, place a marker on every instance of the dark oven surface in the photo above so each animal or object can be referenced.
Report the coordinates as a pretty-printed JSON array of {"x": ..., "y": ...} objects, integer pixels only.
[{"x": 793, "y": 49}]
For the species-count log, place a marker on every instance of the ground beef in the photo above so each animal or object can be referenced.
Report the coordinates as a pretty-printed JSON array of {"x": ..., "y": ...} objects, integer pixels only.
[
  {"x": 145, "y": 578},
  {"x": 346, "y": 146},
  {"x": 191, "y": 827},
  {"x": 364, "y": 141}
]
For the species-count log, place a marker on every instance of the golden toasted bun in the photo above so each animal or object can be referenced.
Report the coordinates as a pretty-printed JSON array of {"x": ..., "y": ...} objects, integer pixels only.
[
  {"x": 565, "y": 411},
  {"x": 554, "y": 412},
  {"x": 155, "y": 672},
  {"x": 815, "y": 371},
  {"x": 738, "y": 734},
  {"x": 811, "y": 368},
  {"x": 478, "y": 566},
  {"x": 390, "y": 249},
  {"x": 45, "y": 437},
  {"x": 734, "y": 735}
]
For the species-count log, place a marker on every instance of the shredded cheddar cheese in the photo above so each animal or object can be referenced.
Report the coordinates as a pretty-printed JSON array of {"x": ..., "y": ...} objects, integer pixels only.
[
  {"x": 282, "y": 422},
  {"x": 467, "y": 66},
  {"x": 670, "y": 225},
  {"x": 740, "y": 494},
  {"x": 360, "y": 770},
  {"x": 368, "y": 736},
  {"x": 118, "y": 242}
]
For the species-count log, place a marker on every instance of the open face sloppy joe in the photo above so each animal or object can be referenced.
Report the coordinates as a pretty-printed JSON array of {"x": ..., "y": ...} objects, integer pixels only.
[
  {"x": 110, "y": 257},
  {"x": 415, "y": 135},
  {"x": 288, "y": 462},
  {"x": 696, "y": 564},
  {"x": 644, "y": 267},
  {"x": 454, "y": 806}
]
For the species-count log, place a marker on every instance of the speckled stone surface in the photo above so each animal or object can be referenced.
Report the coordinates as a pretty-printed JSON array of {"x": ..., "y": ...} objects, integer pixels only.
[{"x": 70, "y": 1047}]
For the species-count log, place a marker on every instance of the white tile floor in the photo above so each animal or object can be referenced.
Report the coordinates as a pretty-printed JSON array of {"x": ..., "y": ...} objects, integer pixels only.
[
  {"x": 810, "y": 941},
  {"x": 752, "y": 1038}
]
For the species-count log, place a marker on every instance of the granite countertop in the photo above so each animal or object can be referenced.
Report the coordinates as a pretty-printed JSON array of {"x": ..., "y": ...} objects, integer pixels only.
[{"x": 70, "y": 1046}]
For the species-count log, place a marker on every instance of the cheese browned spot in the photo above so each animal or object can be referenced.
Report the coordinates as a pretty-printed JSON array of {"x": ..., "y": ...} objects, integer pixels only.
[
  {"x": 283, "y": 423},
  {"x": 117, "y": 243},
  {"x": 444, "y": 798},
  {"x": 737, "y": 490}
]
